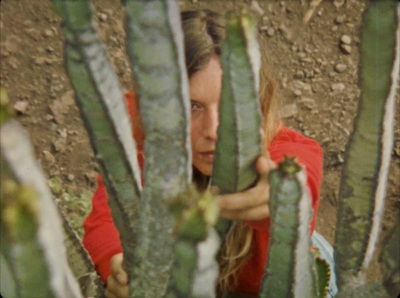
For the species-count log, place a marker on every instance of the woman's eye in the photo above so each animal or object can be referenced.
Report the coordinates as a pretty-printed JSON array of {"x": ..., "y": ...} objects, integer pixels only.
[{"x": 194, "y": 106}]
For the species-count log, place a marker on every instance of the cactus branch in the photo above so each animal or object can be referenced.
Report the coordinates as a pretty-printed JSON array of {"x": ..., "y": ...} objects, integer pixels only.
[
  {"x": 155, "y": 48},
  {"x": 239, "y": 140},
  {"x": 289, "y": 270},
  {"x": 364, "y": 177},
  {"x": 33, "y": 229},
  {"x": 102, "y": 106}
]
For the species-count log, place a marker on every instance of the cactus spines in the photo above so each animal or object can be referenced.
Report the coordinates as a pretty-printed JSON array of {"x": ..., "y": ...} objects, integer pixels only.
[
  {"x": 289, "y": 269},
  {"x": 239, "y": 140},
  {"x": 364, "y": 177}
]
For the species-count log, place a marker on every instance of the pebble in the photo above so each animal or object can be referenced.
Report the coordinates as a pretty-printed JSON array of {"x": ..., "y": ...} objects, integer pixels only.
[
  {"x": 340, "y": 19},
  {"x": 48, "y": 33},
  {"x": 347, "y": 49},
  {"x": 60, "y": 145},
  {"x": 286, "y": 32},
  {"x": 265, "y": 19},
  {"x": 48, "y": 157},
  {"x": 340, "y": 67},
  {"x": 21, "y": 107},
  {"x": 289, "y": 110},
  {"x": 271, "y": 32},
  {"x": 255, "y": 6},
  {"x": 71, "y": 177},
  {"x": 337, "y": 87},
  {"x": 103, "y": 17},
  {"x": 299, "y": 74},
  {"x": 345, "y": 39},
  {"x": 297, "y": 92}
]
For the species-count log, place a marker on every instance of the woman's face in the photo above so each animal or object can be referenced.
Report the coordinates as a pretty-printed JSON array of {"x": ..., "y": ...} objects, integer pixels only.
[{"x": 205, "y": 91}]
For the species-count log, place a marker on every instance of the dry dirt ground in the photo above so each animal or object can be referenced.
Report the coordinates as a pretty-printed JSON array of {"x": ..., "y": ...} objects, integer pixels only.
[{"x": 316, "y": 67}]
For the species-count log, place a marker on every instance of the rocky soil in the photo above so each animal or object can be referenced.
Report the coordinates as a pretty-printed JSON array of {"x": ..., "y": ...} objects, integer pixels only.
[{"x": 314, "y": 49}]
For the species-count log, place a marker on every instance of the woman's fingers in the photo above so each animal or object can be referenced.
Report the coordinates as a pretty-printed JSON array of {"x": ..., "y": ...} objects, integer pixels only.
[
  {"x": 256, "y": 196},
  {"x": 251, "y": 204},
  {"x": 117, "y": 282},
  {"x": 255, "y": 213}
]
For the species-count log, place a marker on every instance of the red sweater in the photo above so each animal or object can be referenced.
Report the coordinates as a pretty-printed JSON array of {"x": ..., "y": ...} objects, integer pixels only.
[{"x": 101, "y": 238}]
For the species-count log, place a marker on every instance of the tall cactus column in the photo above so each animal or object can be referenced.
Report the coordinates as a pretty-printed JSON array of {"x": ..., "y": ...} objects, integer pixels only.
[
  {"x": 100, "y": 99},
  {"x": 363, "y": 185},
  {"x": 155, "y": 48}
]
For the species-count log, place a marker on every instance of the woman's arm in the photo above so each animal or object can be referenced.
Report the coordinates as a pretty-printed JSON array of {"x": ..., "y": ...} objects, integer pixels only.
[
  {"x": 101, "y": 238},
  {"x": 252, "y": 205}
]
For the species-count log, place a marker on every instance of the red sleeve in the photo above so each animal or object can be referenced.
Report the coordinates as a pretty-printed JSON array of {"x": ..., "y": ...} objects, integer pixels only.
[
  {"x": 309, "y": 154},
  {"x": 101, "y": 238}
]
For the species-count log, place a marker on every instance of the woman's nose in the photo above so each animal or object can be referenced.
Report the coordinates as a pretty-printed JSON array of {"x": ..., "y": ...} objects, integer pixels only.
[{"x": 211, "y": 125}]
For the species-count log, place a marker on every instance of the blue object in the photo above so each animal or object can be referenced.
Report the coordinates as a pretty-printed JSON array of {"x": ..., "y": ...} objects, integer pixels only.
[{"x": 326, "y": 253}]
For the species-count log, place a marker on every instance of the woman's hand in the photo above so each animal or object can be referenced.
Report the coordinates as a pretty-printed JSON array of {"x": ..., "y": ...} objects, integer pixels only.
[
  {"x": 252, "y": 204},
  {"x": 117, "y": 282}
]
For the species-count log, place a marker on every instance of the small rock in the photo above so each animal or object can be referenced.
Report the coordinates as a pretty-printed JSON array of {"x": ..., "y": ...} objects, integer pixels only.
[
  {"x": 255, "y": 6},
  {"x": 294, "y": 48},
  {"x": 337, "y": 87},
  {"x": 264, "y": 28},
  {"x": 334, "y": 28},
  {"x": 21, "y": 107},
  {"x": 48, "y": 33},
  {"x": 48, "y": 157},
  {"x": 299, "y": 74},
  {"x": 338, "y": 3},
  {"x": 271, "y": 32},
  {"x": 308, "y": 102},
  {"x": 60, "y": 145},
  {"x": 265, "y": 19},
  {"x": 39, "y": 60},
  {"x": 340, "y": 19},
  {"x": 103, "y": 17},
  {"x": 345, "y": 39},
  {"x": 49, "y": 49},
  {"x": 91, "y": 176},
  {"x": 71, "y": 177},
  {"x": 347, "y": 49},
  {"x": 301, "y": 55},
  {"x": 5, "y": 53},
  {"x": 297, "y": 92},
  {"x": 289, "y": 110},
  {"x": 340, "y": 67},
  {"x": 286, "y": 32}
]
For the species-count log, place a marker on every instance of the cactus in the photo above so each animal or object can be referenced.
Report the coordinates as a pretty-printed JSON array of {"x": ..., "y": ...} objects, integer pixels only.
[
  {"x": 364, "y": 177},
  {"x": 102, "y": 106},
  {"x": 290, "y": 264},
  {"x": 32, "y": 250},
  {"x": 166, "y": 227},
  {"x": 239, "y": 140},
  {"x": 155, "y": 48}
]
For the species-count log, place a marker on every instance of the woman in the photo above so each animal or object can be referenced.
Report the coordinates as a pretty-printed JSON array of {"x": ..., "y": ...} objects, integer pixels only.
[{"x": 244, "y": 255}]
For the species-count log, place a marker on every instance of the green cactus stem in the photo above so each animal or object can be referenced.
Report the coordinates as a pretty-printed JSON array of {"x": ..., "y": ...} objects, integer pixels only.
[
  {"x": 239, "y": 140},
  {"x": 31, "y": 231},
  {"x": 155, "y": 48},
  {"x": 100, "y": 99},
  {"x": 364, "y": 177},
  {"x": 195, "y": 214},
  {"x": 289, "y": 270},
  {"x": 80, "y": 262},
  {"x": 390, "y": 261}
]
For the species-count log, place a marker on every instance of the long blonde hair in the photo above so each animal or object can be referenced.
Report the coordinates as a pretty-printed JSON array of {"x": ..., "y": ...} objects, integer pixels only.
[{"x": 204, "y": 32}]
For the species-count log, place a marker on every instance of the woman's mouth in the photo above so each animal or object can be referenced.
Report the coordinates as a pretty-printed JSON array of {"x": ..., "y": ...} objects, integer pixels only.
[{"x": 207, "y": 156}]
